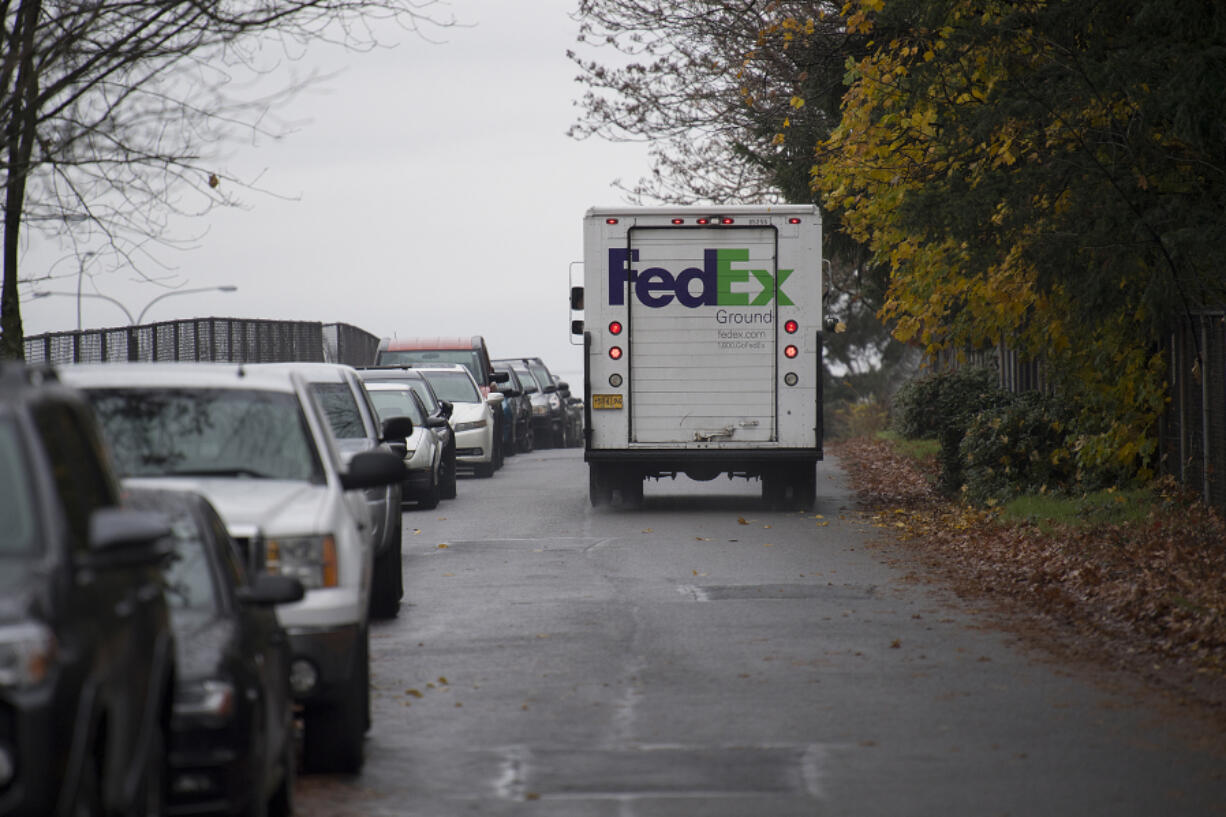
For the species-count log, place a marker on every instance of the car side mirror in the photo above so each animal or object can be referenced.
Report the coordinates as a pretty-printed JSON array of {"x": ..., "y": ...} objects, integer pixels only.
[
  {"x": 266, "y": 590},
  {"x": 370, "y": 469},
  {"x": 396, "y": 429},
  {"x": 447, "y": 407},
  {"x": 435, "y": 421}
]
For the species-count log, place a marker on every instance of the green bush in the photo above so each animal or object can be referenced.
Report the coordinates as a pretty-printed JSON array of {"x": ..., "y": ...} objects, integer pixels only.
[
  {"x": 942, "y": 406},
  {"x": 862, "y": 418},
  {"x": 1020, "y": 446}
]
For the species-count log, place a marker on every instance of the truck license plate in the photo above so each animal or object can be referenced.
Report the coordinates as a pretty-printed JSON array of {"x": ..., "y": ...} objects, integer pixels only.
[{"x": 606, "y": 401}]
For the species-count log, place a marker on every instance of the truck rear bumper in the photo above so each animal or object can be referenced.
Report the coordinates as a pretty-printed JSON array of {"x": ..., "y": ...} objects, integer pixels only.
[{"x": 737, "y": 462}]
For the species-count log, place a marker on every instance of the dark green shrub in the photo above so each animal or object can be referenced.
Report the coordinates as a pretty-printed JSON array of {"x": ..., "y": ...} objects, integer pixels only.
[
  {"x": 1020, "y": 446},
  {"x": 941, "y": 406}
]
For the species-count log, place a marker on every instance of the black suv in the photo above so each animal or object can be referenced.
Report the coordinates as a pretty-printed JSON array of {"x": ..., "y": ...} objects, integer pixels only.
[{"x": 86, "y": 650}]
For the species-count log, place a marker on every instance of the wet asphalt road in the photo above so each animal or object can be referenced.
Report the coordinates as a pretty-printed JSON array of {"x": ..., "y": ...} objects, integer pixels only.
[{"x": 704, "y": 656}]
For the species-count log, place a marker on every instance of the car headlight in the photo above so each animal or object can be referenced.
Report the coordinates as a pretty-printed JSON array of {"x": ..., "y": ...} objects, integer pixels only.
[
  {"x": 27, "y": 651},
  {"x": 540, "y": 409},
  {"x": 311, "y": 560},
  {"x": 212, "y": 699},
  {"x": 555, "y": 402},
  {"x": 470, "y": 426}
]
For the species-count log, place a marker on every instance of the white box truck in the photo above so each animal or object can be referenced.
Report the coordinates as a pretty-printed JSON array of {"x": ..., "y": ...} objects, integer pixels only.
[{"x": 702, "y": 342}]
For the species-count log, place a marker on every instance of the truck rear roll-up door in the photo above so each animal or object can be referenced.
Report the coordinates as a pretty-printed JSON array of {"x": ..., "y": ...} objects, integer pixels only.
[{"x": 702, "y": 354}]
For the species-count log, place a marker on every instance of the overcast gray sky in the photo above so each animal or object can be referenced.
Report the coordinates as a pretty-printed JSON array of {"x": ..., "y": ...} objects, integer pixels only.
[{"x": 432, "y": 191}]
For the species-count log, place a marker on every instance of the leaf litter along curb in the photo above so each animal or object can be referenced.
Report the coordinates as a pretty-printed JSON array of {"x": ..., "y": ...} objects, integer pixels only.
[{"x": 1147, "y": 597}]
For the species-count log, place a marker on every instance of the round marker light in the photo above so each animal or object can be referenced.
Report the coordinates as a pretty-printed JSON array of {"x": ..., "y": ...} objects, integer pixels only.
[
  {"x": 615, "y": 328},
  {"x": 790, "y": 327},
  {"x": 615, "y": 380},
  {"x": 790, "y": 352},
  {"x": 610, "y": 221},
  {"x": 678, "y": 221},
  {"x": 703, "y": 221},
  {"x": 791, "y": 379},
  {"x": 726, "y": 220},
  {"x": 615, "y": 353},
  {"x": 793, "y": 220}
]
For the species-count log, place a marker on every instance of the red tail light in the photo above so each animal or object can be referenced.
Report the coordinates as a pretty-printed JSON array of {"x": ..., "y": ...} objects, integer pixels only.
[
  {"x": 790, "y": 352},
  {"x": 615, "y": 353},
  {"x": 790, "y": 327},
  {"x": 615, "y": 328}
]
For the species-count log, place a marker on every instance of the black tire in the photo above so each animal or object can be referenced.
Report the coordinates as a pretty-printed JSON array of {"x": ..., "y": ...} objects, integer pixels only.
[
  {"x": 632, "y": 490},
  {"x": 804, "y": 487},
  {"x": 600, "y": 491},
  {"x": 483, "y": 470},
  {"x": 448, "y": 473},
  {"x": 526, "y": 442},
  {"x": 559, "y": 438},
  {"x": 334, "y": 736},
  {"x": 387, "y": 585},
  {"x": 429, "y": 500}
]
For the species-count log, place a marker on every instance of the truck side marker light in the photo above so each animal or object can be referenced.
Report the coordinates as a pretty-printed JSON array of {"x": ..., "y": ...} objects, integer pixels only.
[
  {"x": 791, "y": 379},
  {"x": 790, "y": 352},
  {"x": 615, "y": 352},
  {"x": 790, "y": 327},
  {"x": 615, "y": 328},
  {"x": 610, "y": 221},
  {"x": 793, "y": 220}
]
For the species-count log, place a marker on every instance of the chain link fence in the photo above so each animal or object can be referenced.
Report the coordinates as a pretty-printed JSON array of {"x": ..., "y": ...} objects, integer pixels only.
[{"x": 231, "y": 340}]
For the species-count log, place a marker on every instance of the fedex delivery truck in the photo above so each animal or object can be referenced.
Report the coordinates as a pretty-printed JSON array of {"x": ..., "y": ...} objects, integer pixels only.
[{"x": 702, "y": 343}]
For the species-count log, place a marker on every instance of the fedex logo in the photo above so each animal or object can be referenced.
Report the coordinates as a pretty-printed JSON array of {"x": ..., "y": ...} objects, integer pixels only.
[{"x": 656, "y": 287}]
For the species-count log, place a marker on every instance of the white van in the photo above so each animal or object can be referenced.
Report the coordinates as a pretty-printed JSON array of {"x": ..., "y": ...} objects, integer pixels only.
[{"x": 256, "y": 443}]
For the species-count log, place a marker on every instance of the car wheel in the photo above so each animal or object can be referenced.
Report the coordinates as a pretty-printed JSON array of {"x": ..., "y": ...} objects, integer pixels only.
[
  {"x": 484, "y": 470},
  {"x": 334, "y": 733},
  {"x": 559, "y": 438},
  {"x": 632, "y": 490},
  {"x": 525, "y": 442},
  {"x": 431, "y": 497},
  {"x": 385, "y": 588},
  {"x": 448, "y": 487}
]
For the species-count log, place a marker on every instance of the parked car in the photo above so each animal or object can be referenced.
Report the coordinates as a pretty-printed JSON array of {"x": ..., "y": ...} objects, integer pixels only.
[
  {"x": 255, "y": 442},
  {"x": 470, "y": 352},
  {"x": 435, "y": 409},
  {"x": 518, "y": 399},
  {"x": 232, "y": 743},
  {"x": 472, "y": 416},
  {"x": 548, "y": 411},
  {"x": 357, "y": 427},
  {"x": 574, "y": 413},
  {"x": 86, "y": 646},
  {"x": 423, "y": 454}
]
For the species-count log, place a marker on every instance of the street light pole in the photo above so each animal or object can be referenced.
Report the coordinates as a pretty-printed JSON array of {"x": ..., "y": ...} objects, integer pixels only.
[
  {"x": 223, "y": 288},
  {"x": 131, "y": 320}
]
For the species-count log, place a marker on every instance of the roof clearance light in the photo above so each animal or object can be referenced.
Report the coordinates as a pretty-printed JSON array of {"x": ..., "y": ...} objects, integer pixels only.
[
  {"x": 678, "y": 221},
  {"x": 793, "y": 220},
  {"x": 790, "y": 352},
  {"x": 615, "y": 328},
  {"x": 790, "y": 327},
  {"x": 615, "y": 352},
  {"x": 726, "y": 220},
  {"x": 610, "y": 221},
  {"x": 703, "y": 221}
]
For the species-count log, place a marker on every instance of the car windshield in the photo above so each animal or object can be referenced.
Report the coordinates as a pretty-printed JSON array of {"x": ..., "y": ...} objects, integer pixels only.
[
  {"x": 207, "y": 432},
  {"x": 19, "y": 532},
  {"x": 396, "y": 403},
  {"x": 528, "y": 378},
  {"x": 341, "y": 408},
  {"x": 432, "y": 357},
  {"x": 457, "y": 387},
  {"x": 542, "y": 376}
]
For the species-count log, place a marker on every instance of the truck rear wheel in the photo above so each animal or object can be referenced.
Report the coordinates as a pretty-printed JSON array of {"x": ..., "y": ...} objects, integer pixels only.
[
  {"x": 600, "y": 490},
  {"x": 632, "y": 489}
]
